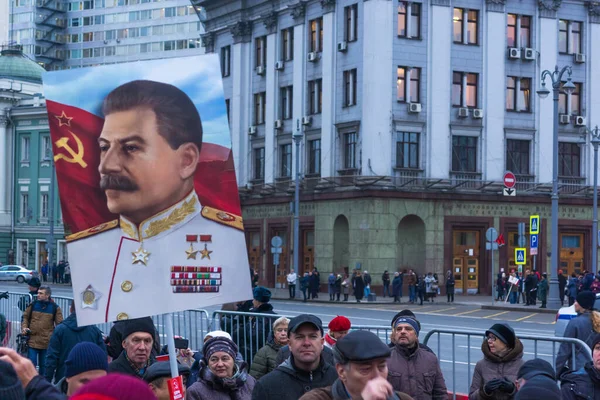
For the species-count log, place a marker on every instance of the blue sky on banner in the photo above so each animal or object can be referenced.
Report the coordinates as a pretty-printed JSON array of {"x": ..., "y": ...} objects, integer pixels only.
[{"x": 199, "y": 77}]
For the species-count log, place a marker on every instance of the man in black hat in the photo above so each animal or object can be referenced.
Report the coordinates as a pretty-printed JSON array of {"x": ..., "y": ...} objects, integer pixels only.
[
  {"x": 138, "y": 339},
  {"x": 304, "y": 370},
  {"x": 159, "y": 373},
  {"x": 360, "y": 357},
  {"x": 585, "y": 382},
  {"x": 424, "y": 380},
  {"x": 536, "y": 380},
  {"x": 580, "y": 327}
]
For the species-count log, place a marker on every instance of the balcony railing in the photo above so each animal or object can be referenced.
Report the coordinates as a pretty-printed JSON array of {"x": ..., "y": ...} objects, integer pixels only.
[
  {"x": 571, "y": 184},
  {"x": 53, "y": 5},
  {"x": 50, "y": 21},
  {"x": 525, "y": 182},
  {"x": 406, "y": 178},
  {"x": 465, "y": 180}
]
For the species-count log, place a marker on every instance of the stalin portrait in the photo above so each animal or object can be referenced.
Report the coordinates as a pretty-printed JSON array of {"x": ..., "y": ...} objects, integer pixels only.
[{"x": 166, "y": 251}]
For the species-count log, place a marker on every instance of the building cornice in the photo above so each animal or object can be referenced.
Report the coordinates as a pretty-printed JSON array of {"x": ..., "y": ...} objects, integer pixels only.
[
  {"x": 270, "y": 21},
  {"x": 548, "y": 8},
  {"x": 208, "y": 42},
  {"x": 327, "y": 6},
  {"x": 241, "y": 31},
  {"x": 594, "y": 11}
]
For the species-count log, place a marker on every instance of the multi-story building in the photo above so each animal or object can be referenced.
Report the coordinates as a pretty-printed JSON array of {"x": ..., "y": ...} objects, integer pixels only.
[
  {"x": 4, "y": 13},
  {"x": 61, "y": 34},
  {"x": 25, "y": 166},
  {"x": 410, "y": 113}
]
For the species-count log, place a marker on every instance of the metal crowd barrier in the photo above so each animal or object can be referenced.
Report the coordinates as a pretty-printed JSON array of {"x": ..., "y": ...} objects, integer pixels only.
[
  {"x": 190, "y": 324},
  {"x": 479, "y": 336}
]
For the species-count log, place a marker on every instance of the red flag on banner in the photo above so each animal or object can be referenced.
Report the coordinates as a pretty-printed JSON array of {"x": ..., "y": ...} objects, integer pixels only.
[
  {"x": 75, "y": 135},
  {"x": 500, "y": 240}
]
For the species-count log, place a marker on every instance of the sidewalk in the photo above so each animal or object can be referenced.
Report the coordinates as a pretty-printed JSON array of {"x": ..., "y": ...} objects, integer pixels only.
[{"x": 481, "y": 301}]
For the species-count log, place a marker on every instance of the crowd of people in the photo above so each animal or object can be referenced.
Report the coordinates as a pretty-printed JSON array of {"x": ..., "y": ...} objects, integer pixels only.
[{"x": 298, "y": 359}]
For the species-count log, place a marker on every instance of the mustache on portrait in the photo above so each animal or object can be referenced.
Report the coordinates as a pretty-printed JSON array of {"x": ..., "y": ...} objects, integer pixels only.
[{"x": 117, "y": 182}]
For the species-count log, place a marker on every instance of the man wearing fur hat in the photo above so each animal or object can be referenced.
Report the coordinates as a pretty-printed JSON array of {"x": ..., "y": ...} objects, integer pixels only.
[
  {"x": 412, "y": 369},
  {"x": 583, "y": 327},
  {"x": 138, "y": 339},
  {"x": 338, "y": 328}
]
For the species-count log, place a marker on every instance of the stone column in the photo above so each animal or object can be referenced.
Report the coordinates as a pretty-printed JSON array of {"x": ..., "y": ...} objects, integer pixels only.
[
  {"x": 272, "y": 91},
  {"x": 593, "y": 80},
  {"x": 4, "y": 179},
  {"x": 439, "y": 69},
  {"x": 377, "y": 97},
  {"x": 494, "y": 86},
  {"x": 299, "y": 74},
  {"x": 328, "y": 114}
]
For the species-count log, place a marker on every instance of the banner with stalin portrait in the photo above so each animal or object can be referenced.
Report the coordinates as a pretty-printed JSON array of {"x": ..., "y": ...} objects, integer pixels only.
[{"x": 147, "y": 187}]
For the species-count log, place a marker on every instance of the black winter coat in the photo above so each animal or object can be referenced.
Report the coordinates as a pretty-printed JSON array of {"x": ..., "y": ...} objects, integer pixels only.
[
  {"x": 397, "y": 286},
  {"x": 288, "y": 383},
  {"x": 359, "y": 287},
  {"x": 40, "y": 389},
  {"x": 66, "y": 335},
  {"x": 255, "y": 332},
  {"x": 122, "y": 365},
  {"x": 583, "y": 384}
]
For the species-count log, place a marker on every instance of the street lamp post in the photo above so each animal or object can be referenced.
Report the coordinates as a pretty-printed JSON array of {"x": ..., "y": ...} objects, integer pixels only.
[
  {"x": 50, "y": 159},
  {"x": 297, "y": 140},
  {"x": 556, "y": 80},
  {"x": 595, "y": 141}
]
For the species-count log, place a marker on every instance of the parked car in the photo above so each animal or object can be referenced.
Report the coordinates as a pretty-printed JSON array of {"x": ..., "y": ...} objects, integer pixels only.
[
  {"x": 15, "y": 273},
  {"x": 565, "y": 314}
]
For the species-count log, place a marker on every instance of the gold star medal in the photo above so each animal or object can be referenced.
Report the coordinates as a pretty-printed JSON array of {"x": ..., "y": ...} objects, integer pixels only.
[
  {"x": 191, "y": 253},
  {"x": 205, "y": 253},
  {"x": 140, "y": 256}
]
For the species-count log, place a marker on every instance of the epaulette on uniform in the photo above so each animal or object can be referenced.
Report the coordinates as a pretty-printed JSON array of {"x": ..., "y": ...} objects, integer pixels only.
[
  {"x": 92, "y": 231},
  {"x": 223, "y": 217}
]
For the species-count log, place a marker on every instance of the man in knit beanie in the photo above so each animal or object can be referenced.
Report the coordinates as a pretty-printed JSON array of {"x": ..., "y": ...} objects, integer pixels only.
[
  {"x": 85, "y": 362},
  {"x": 115, "y": 387},
  {"x": 10, "y": 385},
  {"x": 138, "y": 338}
]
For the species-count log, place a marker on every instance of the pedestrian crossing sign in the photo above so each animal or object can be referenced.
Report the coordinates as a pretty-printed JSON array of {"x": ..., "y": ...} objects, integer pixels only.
[
  {"x": 534, "y": 224},
  {"x": 520, "y": 256}
]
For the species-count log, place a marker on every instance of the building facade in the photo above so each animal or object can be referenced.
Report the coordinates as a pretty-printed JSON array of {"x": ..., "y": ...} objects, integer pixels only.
[
  {"x": 61, "y": 34},
  {"x": 410, "y": 113},
  {"x": 26, "y": 166}
]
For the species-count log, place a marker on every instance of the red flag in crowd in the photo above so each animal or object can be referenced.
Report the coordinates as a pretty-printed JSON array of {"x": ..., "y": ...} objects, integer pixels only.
[{"x": 75, "y": 135}]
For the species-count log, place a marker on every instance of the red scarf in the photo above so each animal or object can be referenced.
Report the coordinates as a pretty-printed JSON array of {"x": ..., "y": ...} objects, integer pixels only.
[{"x": 331, "y": 341}]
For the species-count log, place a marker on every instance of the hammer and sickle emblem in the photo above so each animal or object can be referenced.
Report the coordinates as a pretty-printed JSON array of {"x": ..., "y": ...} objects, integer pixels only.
[{"x": 76, "y": 157}]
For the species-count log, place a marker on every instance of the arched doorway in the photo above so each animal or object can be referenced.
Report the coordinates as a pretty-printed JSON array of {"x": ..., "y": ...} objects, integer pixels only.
[
  {"x": 411, "y": 244},
  {"x": 341, "y": 244}
]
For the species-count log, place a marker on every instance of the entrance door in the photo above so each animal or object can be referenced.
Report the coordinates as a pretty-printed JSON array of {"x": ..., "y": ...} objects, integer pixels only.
[
  {"x": 282, "y": 269},
  {"x": 465, "y": 262},
  {"x": 42, "y": 255},
  {"x": 253, "y": 244},
  {"x": 308, "y": 251},
  {"x": 571, "y": 253}
]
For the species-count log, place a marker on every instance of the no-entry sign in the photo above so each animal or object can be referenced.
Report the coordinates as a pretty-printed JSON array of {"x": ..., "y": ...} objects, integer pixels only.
[{"x": 510, "y": 180}]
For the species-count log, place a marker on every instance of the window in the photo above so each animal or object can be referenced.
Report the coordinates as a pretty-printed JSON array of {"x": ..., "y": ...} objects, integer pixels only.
[
  {"x": 350, "y": 24},
  {"x": 286, "y": 160},
  {"x": 525, "y": 31},
  {"x": 25, "y": 142},
  {"x": 286, "y": 107},
  {"x": 260, "y": 45},
  {"x": 75, "y": 37},
  {"x": 575, "y": 103},
  {"x": 517, "y": 156},
  {"x": 457, "y": 22},
  {"x": 75, "y": 22},
  {"x": 44, "y": 205},
  {"x": 88, "y": 36},
  {"x": 227, "y": 108},
  {"x": 315, "y": 98},
  {"x": 24, "y": 212},
  {"x": 225, "y": 61},
  {"x": 412, "y": 90},
  {"x": 259, "y": 163},
  {"x": 314, "y": 156},
  {"x": 570, "y": 241},
  {"x": 464, "y": 153},
  {"x": 407, "y": 150},
  {"x": 350, "y": 150},
  {"x": 350, "y": 87},
  {"x": 518, "y": 94},
  {"x": 316, "y": 35},
  {"x": 464, "y": 89},
  {"x": 511, "y": 30},
  {"x": 409, "y": 19},
  {"x": 287, "y": 44},
  {"x": 259, "y": 108},
  {"x": 569, "y": 37},
  {"x": 569, "y": 156},
  {"x": 465, "y": 21}
]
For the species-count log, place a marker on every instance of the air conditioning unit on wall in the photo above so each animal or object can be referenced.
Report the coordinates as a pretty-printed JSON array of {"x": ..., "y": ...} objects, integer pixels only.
[
  {"x": 414, "y": 107},
  {"x": 514, "y": 53}
]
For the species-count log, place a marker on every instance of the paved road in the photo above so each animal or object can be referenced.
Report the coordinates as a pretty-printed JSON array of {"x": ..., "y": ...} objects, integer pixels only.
[{"x": 432, "y": 316}]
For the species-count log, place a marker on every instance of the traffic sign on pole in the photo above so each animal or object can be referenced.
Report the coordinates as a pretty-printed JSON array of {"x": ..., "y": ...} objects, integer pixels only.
[
  {"x": 510, "y": 180},
  {"x": 534, "y": 224},
  {"x": 533, "y": 244},
  {"x": 520, "y": 256}
]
